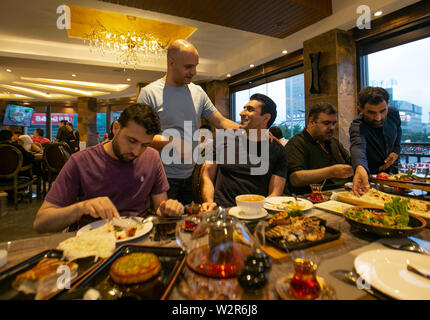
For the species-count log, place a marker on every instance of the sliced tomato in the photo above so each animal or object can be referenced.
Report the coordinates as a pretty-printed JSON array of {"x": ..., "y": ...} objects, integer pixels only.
[{"x": 382, "y": 175}]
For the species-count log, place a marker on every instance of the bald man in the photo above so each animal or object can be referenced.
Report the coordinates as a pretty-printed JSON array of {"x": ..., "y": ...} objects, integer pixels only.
[{"x": 177, "y": 100}]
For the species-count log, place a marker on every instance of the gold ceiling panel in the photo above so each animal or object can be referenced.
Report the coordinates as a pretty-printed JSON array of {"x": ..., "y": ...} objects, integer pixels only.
[{"x": 84, "y": 20}]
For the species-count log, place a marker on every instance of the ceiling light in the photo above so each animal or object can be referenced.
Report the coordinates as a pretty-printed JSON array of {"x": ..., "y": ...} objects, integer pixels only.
[
  {"x": 73, "y": 75},
  {"x": 95, "y": 85},
  {"x": 9, "y": 95},
  {"x": 228, "y": 75},
  {"x": 378, "y": 13},
  {"x": 128, "y": 79},
  {"x": 284, "y": 51},
  {"x": 64, "y": 89},
  {"x": 8, "y": 70},
  {"x": 251, "y": 66},
  {"x": 35, "y": 92}
]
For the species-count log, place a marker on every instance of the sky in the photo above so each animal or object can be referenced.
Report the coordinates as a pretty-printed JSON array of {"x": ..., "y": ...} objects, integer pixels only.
[{"x": 409, "y": 66}]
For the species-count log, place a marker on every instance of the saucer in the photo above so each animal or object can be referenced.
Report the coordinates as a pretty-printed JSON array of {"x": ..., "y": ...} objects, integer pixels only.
[
  {"x": 236, "y": 212},
  {"x": 283, "y": 288}
]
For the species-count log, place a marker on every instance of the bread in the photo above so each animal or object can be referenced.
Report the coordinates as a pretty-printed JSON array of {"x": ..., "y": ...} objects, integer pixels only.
[
  {"x": 42, "y": 278},
  {"x": 135, "y": 268}
]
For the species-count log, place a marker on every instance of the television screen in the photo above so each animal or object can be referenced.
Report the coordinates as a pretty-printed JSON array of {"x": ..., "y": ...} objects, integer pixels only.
[{"x": 17, "y": 115}]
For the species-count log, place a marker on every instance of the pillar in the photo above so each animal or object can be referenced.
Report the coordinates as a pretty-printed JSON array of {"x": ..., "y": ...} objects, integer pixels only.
[
  {"x": 87, "y": 120},
  {"x": 218, "y": 92},
  {"x": 337, "y": 77}
]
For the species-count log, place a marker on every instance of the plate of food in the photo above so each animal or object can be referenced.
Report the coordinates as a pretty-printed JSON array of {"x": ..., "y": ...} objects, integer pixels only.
[
  {"x": 124, "y": 229},
  {"x": 36, "y": 278},
  {"x": 295, "y": 231},
  {"x": 287, "y": 203},
  {"x": 133, "y": 272},
  {"x": 392, "y": 221},
  {"x": 377, "y": 199}
]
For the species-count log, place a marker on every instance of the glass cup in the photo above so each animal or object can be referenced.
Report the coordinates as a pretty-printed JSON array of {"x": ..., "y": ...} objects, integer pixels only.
[
  {"x": 304, "y": 284},
  {"x": 316, "y": 195}
]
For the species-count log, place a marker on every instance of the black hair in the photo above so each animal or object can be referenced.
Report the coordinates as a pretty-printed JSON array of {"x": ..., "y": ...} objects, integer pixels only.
[
  {"x": 70, "y": 124},
  {"x": 64, "y": 122},
  {"x": 5, "y": 135},
  {"x": 373, "y": 96},
  {"x": 276, "y": 131},
  {"x": 268, "y": 106},
  {"x": 40, "y": 132},
  {"x": 143, "y": 115},
  {"x": 316, "y": 109}
]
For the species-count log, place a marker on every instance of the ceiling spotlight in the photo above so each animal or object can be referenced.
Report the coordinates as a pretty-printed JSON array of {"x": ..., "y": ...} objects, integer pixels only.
[
  {"x": 378, "y": 13},
  {"x": 128, "y": 79},
  {"x": 8, "y": 70},
  {"x": 251, "y": 66},
  {"x": 228, "y": 75},
  {"x": 73, "y": 75},
  {"x": 284, "y": 51}
]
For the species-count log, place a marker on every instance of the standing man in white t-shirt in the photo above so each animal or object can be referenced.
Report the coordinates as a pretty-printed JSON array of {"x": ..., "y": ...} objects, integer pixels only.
[{"x": 180, "y": 103}]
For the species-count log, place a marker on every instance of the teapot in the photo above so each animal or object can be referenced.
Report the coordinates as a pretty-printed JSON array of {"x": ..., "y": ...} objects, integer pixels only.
[{"x": 218, "y": 247}]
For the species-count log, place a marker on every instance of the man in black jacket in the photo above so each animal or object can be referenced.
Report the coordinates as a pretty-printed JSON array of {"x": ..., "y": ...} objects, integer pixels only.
[
  {"x": 375, "y": 137},
  {"x": 62, "y": 133}
]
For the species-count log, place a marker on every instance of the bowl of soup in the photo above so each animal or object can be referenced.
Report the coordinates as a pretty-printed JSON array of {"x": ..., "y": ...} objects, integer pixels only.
[{"x": 250, "y": 204}]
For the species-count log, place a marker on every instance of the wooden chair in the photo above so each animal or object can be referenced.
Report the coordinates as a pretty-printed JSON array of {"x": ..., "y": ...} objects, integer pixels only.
[
  {"x": 11, "y": 160},
  {"x": 55, "y": 156}
]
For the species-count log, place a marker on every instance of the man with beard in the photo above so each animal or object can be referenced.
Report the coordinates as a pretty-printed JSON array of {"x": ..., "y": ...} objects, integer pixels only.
[
  {"x": 314, "y": 155},
  {"x": 375, "y": 137},
  {"x": 222, "y": 180},
  {"x": 117, "y": 178}
]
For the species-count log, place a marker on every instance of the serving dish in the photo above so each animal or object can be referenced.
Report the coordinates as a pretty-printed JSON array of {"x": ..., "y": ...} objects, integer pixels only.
[
  {"x": 156, "y": 288},
  {"x": 416, "y": 225},
  {"x": 7, "y": 277}
]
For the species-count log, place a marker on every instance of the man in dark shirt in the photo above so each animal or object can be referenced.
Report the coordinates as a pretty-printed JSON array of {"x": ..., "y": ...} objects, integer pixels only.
[
  {"x": 62, "y": 132},
  {"x": 375, "y": 137},
  {"x": 314, "y": 155},
  {"x": 223, "y": 180},
  {"x": 6, "y": 138}
]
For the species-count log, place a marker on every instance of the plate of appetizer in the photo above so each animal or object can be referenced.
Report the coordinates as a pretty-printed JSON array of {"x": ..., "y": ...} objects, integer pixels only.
[{"x": 287, "y": 203}]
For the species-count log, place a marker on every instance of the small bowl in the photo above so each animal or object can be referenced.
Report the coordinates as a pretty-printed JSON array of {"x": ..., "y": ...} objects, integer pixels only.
[{"x": 250, "y": 204}]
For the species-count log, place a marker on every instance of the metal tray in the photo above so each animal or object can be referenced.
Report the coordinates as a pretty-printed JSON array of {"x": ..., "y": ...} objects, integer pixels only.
[
  {"x": 8, "y": 292},
  {"x": 330, "y": 235},
  {"x": 171, "y": 259}
]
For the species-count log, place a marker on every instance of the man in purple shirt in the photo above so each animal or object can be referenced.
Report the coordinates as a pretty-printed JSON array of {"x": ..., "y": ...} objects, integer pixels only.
[{"x": 117, "y": 178}]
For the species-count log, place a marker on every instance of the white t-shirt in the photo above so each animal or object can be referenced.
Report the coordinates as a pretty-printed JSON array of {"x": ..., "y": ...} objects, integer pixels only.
[{"x": 174, "y": 106}]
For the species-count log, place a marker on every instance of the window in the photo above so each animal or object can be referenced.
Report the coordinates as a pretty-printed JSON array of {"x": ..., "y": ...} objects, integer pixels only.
[
  {"x": 289, "y": 96},
  {"x": 406, "y": 83},
  {"x": 101, "y": 124}
]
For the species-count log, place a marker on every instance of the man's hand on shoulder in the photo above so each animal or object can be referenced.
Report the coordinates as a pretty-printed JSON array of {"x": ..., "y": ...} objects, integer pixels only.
[
  {"x": 100, "y": 207},
  {"x": 171, "y": 208}
]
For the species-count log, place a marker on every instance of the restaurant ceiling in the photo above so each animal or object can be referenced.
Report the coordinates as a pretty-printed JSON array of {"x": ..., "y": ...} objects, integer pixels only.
[{"x": 274, "y": 18}]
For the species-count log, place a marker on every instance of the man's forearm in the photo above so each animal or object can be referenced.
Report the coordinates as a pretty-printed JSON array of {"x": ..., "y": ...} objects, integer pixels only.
[
  {"x": 50, "y": 218},
  {"x": 208, "y": 190},
  {"x": 304, "y": 178}
]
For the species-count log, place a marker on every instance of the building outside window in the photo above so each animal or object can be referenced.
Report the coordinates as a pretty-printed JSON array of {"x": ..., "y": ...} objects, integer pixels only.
[{"x": 289, "y": 96}]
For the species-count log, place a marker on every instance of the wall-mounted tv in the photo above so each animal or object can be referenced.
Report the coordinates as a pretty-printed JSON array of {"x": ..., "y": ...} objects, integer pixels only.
[{"x": 17, "y": 115}]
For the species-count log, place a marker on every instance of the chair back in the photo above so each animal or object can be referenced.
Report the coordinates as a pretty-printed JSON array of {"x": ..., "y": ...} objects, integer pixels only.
[
  {"x": 55, "y": 156},
  {"x": 10, "y": 161}
]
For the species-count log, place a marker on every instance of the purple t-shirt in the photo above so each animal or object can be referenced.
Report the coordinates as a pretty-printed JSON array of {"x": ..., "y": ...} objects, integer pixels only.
[{"x": 92, "y": 173}]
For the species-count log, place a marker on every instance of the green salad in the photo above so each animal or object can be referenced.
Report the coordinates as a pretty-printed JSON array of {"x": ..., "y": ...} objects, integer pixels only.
[{"x": 395, "y": 215}]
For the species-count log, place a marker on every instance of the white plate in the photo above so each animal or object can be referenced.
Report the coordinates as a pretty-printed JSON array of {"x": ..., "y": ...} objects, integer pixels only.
[
  {"x": 386, "y": 271},
  {"x": 271, "y": 203},
  {"x": 334, "y": 206},
  {"x": 141, "y": 229},
  {"x": 236, "y": 212}
]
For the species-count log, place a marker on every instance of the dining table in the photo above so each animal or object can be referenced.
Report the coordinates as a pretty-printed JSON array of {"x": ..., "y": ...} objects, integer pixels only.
[{"x": 340, "y": 256}]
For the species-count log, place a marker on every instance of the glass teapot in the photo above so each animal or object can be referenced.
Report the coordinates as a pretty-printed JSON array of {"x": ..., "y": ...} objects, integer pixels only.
[{"x": 218, "y": 247}]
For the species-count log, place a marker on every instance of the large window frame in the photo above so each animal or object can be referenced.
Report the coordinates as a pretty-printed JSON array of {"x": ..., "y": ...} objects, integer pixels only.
[{"x": 251, "y": 83}]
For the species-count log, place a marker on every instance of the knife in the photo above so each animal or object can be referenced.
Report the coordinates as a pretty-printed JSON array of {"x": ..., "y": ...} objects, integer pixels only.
[{"x": 351, "y": 277}]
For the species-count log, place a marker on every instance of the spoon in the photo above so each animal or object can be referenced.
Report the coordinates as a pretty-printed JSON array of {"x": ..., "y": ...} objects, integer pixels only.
[
  {"x": 416, "y": 271},
  {"x": 412, "y": 246}
]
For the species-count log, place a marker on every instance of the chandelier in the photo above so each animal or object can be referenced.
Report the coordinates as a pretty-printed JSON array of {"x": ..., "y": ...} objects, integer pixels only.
[{"x": 130, "y": 48}]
